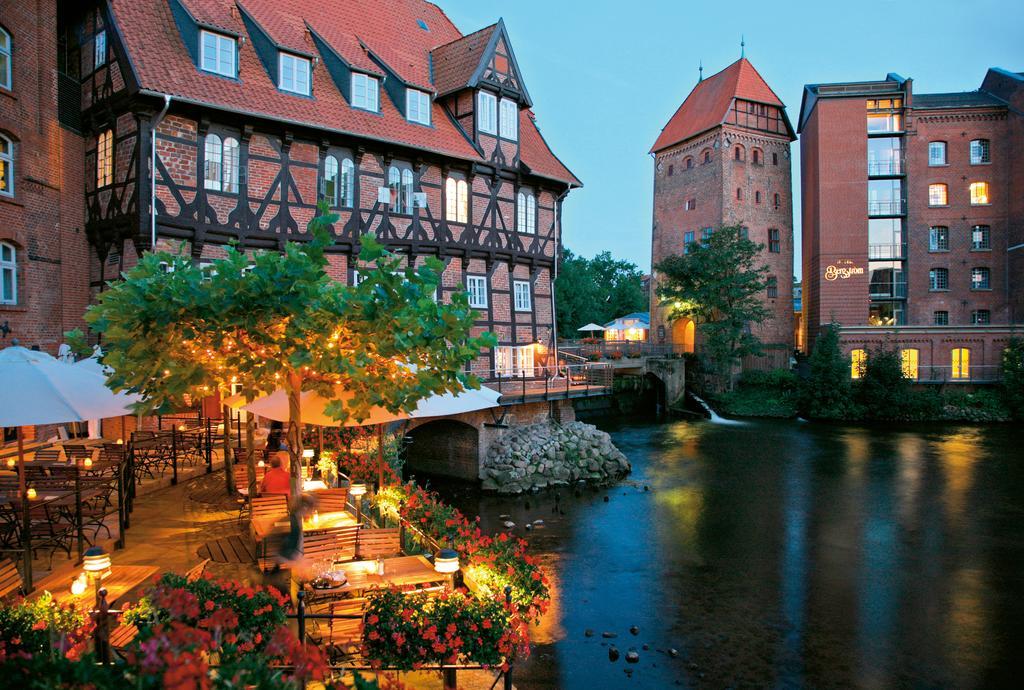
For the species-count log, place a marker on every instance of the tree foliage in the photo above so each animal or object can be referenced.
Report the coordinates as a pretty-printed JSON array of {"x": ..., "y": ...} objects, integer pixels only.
[
  {"x": 827, "y": 393},
  {"x": 596, "y": 290},
  {"x": 1013, "y": 376},
  {"x": 272, "y": 320},
  {"x": 718, "y": 284}
]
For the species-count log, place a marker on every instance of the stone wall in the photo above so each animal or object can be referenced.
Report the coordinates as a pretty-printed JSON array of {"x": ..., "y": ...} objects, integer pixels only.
[{"x": 547, "y": 454}]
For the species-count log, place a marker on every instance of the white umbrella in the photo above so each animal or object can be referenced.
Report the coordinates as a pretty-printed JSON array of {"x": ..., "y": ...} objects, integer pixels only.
[{"x": 590, "y": 327}]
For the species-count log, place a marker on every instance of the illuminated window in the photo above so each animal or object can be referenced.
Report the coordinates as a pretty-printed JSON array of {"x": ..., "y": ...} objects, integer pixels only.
[
  {"x": 961, "y": 357},
  {"x": 980, "y": 279},
  {"x": 937, "y": 195},
  {"x": 980, "y": 237},
  {"x": 100, "y": 49},
  {"x": 294, "y": 74},
  {"x": 417, "y": 106},
  {"x": 979, "y": 193},
  {"x": 509, "y": 120},
  {"x": 858, "y": 363},
  {"x": 940, "y": 318},
  {"x": 5, "y": 59},
  {"x": 938, "y": 238},
  {"x": 486, "y": 112},
  {"x": 456, "y": 200},
  {"x": 365, "y": 91},
  {"x": 981, "y": 317},
  {"x": 526, "y": 213},
  {"x": 8, "y": 273},
  {"x": 6, "y": 166},
  {"x": 908, "y": 363},
  {"x": 980, "y": 152},
  {"x": 774, "y": 241},
  {"x": 476, "y": 286},
  {"x": 217, "y": 53},
  {"x": 937, "y": 153},
  {"x": 938, "y": 279},
  {"x": 105, "y": 159},
  {"x": 521, "y": 292}
]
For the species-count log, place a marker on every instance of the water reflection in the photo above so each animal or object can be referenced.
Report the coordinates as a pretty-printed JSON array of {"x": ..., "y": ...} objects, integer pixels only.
[{"x": 786, "y": 554}]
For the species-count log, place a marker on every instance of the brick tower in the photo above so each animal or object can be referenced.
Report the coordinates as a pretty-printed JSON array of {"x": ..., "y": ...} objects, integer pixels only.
[{"x": 723, "y": 159}]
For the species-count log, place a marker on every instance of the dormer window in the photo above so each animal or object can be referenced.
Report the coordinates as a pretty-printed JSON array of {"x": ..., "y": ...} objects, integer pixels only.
[
  {"x": 417, "y": 106},
  {"x": 293, "y": 74},
  {"x": 364, "y": 91},
  {"x": 487, "y": 112},
  {"x": 509, "y": 119},
  {"x": 217, "y": 54}
]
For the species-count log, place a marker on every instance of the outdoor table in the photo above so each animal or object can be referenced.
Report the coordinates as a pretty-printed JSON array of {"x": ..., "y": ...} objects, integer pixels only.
[
  {"x": 307, "y": 485},
  {"x": 264, "y": 527},
  {"x": 122, "y": 580},
  {"x": 403, "y": 571}
]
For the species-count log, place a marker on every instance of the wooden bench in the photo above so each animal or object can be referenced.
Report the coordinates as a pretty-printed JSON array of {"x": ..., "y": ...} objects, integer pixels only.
[
  {"x": 373, "y": 542},
  {"x": 10, "y": 578},
  {"x": 331, "y": 500},
  {"x": 196, "y": 571},
  {"x": 122, "y": 636}
]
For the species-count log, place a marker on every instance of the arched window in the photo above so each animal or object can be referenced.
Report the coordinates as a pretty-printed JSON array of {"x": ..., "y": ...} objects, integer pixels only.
[
  {"x": 757, "y": 197},
  {"x": 688, "y": 162},
  {"x": 330, "y": 189},
  {"x": 775, "y": 159},
  {"x": 961, "y": 360},
  {"x": 526, "y": 217},
  {"x": 105, "y": 159},
  {"x": 407, "y": 186},
  {"x": 456, "y": 200},
  {"x": 6, "y": 166},
  {"x": 213, "y": 162},
  {"x": 5, "y": 59},
  {"x": 348, "y": 177},
  {"x": 755, "y": 156},
  {"x": 8, "y": 273},
  {"x": 707, "y": 155},
  {"x": 395, "y": 186},
  {"x": 231, "y": 165},
  {"x": 737, "y": 153},
  {"x": 858, "y": 363},
  {"x": 908, "y": 363}
]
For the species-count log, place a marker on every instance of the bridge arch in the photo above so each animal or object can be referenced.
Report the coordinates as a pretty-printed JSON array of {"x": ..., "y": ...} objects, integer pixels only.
[{"x": 446, "y": 447}]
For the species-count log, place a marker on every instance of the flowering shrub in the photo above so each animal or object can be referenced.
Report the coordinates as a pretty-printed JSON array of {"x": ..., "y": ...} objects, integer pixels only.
[
  {"x": 594, "y": 356},
  {"x": 43, "y": 626},
  {"x": 410, "y": 630},
  {"x": 614, "y": 355},
  {"x": 590, "y": 340},
  {"x": 360, "y": 465}
]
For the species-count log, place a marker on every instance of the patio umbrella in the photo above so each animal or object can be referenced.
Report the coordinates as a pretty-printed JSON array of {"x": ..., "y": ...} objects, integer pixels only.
[
  {"x": 92, "y": 364},
  {"x": 44, "y": 390},
  {"x": 590, "y": 328}
]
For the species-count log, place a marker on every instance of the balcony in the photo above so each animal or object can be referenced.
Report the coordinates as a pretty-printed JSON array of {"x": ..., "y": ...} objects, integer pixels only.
[
  {"x": 888, "y": 290},
  {"x": 887, "y": 207},
  {"x": 881, "y": 252},
  {"x": 884, "y": 168},
  {"x": 541, "y": 383}
]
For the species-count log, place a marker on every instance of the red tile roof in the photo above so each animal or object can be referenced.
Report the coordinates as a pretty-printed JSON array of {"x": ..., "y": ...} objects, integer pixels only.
[
  {"x": 708, "y": 103},
  {"x": 388, "y": 28},
  {"x": 455, "y": 62}
]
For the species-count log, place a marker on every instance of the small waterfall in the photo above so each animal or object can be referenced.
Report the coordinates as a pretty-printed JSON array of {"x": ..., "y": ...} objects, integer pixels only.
[{"x": 713, "y": 416}]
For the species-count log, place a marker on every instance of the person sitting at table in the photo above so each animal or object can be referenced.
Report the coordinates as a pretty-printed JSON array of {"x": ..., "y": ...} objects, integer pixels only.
[{"x": 276, "y": 480}]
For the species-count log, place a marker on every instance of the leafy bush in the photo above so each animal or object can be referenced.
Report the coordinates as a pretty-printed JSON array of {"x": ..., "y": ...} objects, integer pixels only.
[
  {"x": 757, "y": 401},
  {"x": 1013, "y": 377},
  {"x": 43, "y": 626},
  {"x": 827, "y": 393},
  {"x": 982, "y": 405},
  {"x": 782, "y": 379}
]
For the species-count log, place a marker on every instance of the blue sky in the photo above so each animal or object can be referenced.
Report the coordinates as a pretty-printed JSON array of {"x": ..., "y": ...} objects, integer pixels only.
[{"x": 605, "y": 76}]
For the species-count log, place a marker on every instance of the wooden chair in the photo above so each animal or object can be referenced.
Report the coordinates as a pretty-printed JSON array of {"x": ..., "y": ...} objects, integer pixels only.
[
  {"x": 273, "y": 505},
  {"x": 342, "y": 636},
  {"x": 339, "y": 543},
  {"x": 10, "y": 578},
  {"x": 196, "y": 571},
  {"x": 373, "y": 542},
  {"x": 332, "y": 500},
  {"x": 47, "y": 455}
]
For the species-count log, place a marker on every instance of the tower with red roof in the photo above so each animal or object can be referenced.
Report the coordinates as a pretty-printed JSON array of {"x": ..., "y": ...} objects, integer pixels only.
[{"x": 724, "y": 159}]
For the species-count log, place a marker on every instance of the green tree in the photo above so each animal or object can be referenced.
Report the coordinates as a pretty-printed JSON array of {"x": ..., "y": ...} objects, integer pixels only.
[
  {"x": 827, "y": 393},
  {"x": 883, "y": 392},
  {"x": 277, "y": 320},
  {"x": 595, "y": 290},
  {"x": 718, "y": 283},
  {"x": 1013, "y": 376}
]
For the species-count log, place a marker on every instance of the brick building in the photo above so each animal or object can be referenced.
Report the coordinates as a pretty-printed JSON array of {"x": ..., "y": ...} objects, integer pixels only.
[
  {"x": 256, "y": 111},
  {"x": 44, "y": 253},
  {"x": 913, "y": 232},
  {"x": 723, "y": 159}
]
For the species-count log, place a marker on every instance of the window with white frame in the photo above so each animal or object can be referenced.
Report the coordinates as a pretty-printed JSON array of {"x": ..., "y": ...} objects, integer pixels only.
[
  {"x": 400, "y": 183},
  {"x": 293, "y": 74},
  {"x": 348, "y": 181},
  {"x": 936, "y": 153},
  {"x": 417, "y": 106},
  {"x": 487, "y": 112},
  {"x": 980, "y": 279},
  {"x": 980, "y": 238},
  {"x": 100, "y": 50},
  {"x": 513, "y": 361},
  {"x": 217, "y": 54},
  {"x": 105, "y": 158},
  {"x": 330, "y": 189},
  {"x": 937, "y": 194},
  {"x": 476, "y": 286},
  {"x": 220, "y": 164},
  {"x": 521, "y": 295},
  {"x": 365, "y": 91},
  {"x": 8, "y": 273},
  {"x": 5, "y": 59},
  {"x": 509, "y": 119},
  {"x": 938, "y": 279},
  {"x": 526, "y": 213},
  {"x": 456, "y": 200},
  {"x": 6, "y": 166},
  {"x": 980, "y": 152}
]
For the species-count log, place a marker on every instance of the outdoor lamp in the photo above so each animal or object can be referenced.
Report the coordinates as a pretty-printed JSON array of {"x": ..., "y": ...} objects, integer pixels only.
[
  {"x": 307, "y": 453},
  {"x": 446, "y": 561},
  {"x": 120, "y": 441},
  {"x": 31, "y": 493},
  {"x": 96, "y": 562},
  {"x": 261, "y": 463},
  {"x": 11, "y": 462},
  {"x": 78, "y": 585},
  {"x": 87, "y": 463},
  {"x": 357, "y": 490}
]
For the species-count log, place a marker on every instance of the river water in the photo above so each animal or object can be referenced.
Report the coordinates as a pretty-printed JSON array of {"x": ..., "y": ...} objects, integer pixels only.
[{"x": 783, "y": 554}]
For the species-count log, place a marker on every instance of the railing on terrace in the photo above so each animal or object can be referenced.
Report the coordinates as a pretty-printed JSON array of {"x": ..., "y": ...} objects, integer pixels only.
[
  {"x": 887, "y": 207},
  {"x": 628, "y": 348},
  {"x": 886, "y": 251},
  {"x": 974, "y": 373},
  {"x": 549, "y": 382}
]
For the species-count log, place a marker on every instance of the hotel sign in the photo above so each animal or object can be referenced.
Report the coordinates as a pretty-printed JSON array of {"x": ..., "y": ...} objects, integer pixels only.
[{"x": 842, "y": 269}]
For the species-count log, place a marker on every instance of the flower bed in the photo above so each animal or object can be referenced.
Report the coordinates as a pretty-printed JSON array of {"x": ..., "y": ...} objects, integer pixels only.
[{"x": 406, "y": 631}]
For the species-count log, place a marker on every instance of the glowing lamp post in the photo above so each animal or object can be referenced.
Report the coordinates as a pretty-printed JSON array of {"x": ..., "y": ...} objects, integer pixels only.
[
  {"x": 307, "y": 457},
  {"x": 357, "y": 491},
  {"x": 96, "y": 564},
  {"x": 446, "y": 562}
]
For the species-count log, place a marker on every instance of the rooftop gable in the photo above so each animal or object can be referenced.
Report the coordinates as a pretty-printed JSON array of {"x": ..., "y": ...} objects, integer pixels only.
[{"x": 485, "y": 56}]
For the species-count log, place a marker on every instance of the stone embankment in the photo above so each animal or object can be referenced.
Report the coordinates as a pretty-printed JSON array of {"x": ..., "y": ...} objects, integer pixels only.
[{"x": 550, "y": 454}]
